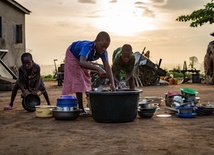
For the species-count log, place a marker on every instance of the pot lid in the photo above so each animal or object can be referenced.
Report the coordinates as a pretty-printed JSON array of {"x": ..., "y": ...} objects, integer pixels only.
[
  {"x": 67, "y": 97},
  {"x": 189, "y": 91}
]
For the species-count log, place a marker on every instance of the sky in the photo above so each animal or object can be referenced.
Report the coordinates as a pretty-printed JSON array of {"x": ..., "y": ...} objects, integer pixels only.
[{"x": 54, "y": 24}]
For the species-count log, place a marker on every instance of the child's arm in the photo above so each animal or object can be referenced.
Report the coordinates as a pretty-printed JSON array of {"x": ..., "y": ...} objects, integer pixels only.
[
  {"x": 130, "y": 70},
  {"x": 88, "y": 65},
  {"x": 38, "y": 81},
  {"x": 114, "y": 70},
  {"x": 21, "y": 83},
  {"x": 109, "y": 74}
]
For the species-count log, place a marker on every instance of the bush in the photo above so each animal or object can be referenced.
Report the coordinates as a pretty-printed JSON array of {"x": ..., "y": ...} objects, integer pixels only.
[{"x": 47, "y": 77}]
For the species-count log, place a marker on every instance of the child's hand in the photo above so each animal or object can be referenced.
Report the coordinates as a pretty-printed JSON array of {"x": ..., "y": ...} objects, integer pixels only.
[
  {"x": 24, "y": 94},
  {"x": 101, "y": 72},
  {"x": 34, "y": 92},
  {"x": 112, "y": 88}
]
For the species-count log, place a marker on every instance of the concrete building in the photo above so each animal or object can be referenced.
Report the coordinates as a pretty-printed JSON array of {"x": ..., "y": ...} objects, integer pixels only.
[
  {"x": 12, "y": 41},
  {"x": 12, "y": 31}
]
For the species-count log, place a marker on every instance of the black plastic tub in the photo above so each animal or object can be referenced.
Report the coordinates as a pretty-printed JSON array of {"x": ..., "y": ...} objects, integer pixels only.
[{"x": 114, "y": 107}]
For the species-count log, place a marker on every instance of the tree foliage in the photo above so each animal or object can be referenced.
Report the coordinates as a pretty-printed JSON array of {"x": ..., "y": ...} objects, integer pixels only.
[
  {"x": 193, "y": 60},
  {"x": 200, "y": 17}
]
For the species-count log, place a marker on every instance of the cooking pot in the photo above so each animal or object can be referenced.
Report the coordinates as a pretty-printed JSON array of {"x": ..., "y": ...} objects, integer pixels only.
[
  {"x": 44, "y": 110},
  {"x": 66, "y": 115},
  {"x": 30, "y": 101},
  {"x": 114, "y": 107}
]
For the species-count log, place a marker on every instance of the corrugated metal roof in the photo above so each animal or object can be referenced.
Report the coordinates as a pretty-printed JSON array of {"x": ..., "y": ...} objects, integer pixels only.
[{"x": 18, "y": 6}]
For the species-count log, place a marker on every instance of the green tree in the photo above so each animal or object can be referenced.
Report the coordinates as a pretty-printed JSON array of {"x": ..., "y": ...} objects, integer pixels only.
[
  {"x": 200, "y": 17},
  {"x": 193, "y": 60}
]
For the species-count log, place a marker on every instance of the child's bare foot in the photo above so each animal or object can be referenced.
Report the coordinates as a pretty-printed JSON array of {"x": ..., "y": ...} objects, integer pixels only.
[
  {"x": 84, "y": 114},
  {"x": 8, "y": 107}
]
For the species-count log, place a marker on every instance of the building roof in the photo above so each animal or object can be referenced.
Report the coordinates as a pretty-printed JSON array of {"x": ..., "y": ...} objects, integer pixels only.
[{"x": 18, "y": 6}]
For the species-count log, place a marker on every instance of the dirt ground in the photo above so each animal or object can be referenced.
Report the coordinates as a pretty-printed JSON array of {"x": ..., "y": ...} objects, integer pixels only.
[{"x": 21, "y": 133}]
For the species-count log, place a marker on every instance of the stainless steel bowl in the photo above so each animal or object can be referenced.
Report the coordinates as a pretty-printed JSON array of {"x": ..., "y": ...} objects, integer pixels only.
[
  {"x": 66, "y": 115},
  {"x": 143, "y": 114}
]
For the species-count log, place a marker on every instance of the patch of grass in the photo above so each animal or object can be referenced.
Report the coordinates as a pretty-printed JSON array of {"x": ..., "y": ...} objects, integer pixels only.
[{"x": 48, "y": 77}]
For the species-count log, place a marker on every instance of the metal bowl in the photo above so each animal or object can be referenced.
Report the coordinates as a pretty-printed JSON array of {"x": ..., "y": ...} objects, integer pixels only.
[
  {"x": 30, "y": 102},
  {"x": 66, "y": 115},
  {"x": 143, "y": 114},
  {"x": 155, "y": 99},
  {"x": 148, "y": 109},
  {"x": 204, "y": 110},
  {"x": 145, "y": 103}
]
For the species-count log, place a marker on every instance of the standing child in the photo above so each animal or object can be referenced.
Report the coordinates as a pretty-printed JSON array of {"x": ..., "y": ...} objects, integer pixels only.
[
  {"x": 77, "y": 66},
  {"x": 123, "y": 66},
  {"x": 29, "y": 81}
]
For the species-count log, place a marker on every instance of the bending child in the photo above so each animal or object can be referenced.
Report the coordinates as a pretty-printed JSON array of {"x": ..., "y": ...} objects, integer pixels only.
[
  {"x": 29, "y": 81},
  {"x": 77, "y": 66},
  {"x": 123, "y": 66}
]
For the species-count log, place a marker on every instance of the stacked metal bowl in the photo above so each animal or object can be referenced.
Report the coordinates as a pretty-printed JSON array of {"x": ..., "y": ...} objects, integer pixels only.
[
  {"x": 66, "y": 108},
  {"x": 145, "y": 110}
]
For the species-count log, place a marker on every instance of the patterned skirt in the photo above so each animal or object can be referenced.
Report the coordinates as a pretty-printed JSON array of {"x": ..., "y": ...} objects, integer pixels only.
[{"x": 76, "y": 78}]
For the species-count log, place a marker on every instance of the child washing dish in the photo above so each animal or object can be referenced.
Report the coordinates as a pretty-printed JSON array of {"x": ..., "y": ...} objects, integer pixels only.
[
  {"x": 29, "y": 80},
  {"x": 77, "y": 66},
  {"x": 123, "y": 66}
]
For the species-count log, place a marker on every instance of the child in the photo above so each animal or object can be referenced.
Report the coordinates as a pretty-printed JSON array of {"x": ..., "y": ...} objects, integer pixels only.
[
  {"x": 29, "y": 80},
  {"x": 123, "y": 66},
  {"x": 77, "y": 66}
]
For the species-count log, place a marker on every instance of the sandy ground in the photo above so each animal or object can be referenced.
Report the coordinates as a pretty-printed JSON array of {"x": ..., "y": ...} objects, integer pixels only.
[{"x": 21, "y": 133}]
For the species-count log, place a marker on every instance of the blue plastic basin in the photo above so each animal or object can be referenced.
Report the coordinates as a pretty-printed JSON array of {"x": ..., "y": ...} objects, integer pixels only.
[{"x": 67, "y": 101}]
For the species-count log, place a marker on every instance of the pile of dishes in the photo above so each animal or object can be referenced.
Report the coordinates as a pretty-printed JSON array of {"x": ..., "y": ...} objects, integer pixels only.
[
  {"x": 66, "y": 108},
  {"x": 145, "y": 109},
  {"x": 183, "y": 103}
]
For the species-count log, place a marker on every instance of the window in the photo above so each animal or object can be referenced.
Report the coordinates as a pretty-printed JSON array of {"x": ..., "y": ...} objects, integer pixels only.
[
  {"x": 1, "y": 27},
  {"x": 17, "y": 33}
]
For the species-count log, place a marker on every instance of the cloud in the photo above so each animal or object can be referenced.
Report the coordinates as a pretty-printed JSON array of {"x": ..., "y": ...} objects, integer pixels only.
[
  {"x": 65, "y": 24},
  {"x": 87, "y": 1},
  {"x": 146, "y": 9},
  {"x": 113, "y": 1},
  {"x": 179, "y": 5}
]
